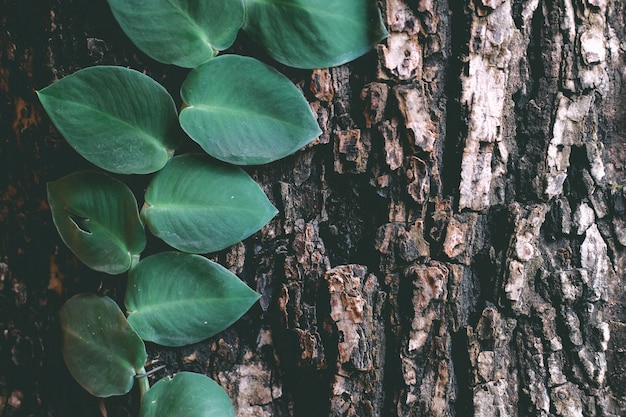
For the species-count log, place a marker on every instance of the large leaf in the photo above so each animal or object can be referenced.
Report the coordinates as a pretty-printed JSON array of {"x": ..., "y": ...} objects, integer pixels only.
[
  {"x": 314, "y": 33},
  {"x": 244, "y": 112},
  {"x": 102, "y": 352},
  {"x": 119, "y": 119},
  {"x": 198, "y": 206},
  {"x": 97, "y": 217},
  {"x": 176, "y": 299},
  {"x": 181, "y": 32},
  {"x": 186, "y": 395}
]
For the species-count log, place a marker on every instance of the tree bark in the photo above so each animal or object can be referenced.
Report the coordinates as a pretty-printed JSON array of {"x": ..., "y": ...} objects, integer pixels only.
[{"x": 453, "y": 244}]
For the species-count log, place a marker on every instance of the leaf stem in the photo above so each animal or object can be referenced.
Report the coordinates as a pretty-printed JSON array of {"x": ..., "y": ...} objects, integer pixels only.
[
  {"x": 134, "y": 260},
  {"x": 144, "y": 384}
]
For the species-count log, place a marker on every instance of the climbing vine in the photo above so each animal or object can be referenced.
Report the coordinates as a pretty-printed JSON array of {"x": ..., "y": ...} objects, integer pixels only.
[{"x": 241, "y": 112}]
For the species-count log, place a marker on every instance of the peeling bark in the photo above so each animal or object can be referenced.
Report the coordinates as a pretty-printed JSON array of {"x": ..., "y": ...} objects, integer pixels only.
[{"x": 356, "y": 310}]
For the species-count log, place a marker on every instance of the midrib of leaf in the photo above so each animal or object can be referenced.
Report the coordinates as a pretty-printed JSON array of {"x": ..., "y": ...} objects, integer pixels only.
[
  {"x": 178, "y": 304},
  {"x": 99, "y": 348},
  {"x": 142, "y": 133},
  {"x": 167, "y": 207},
  {"x": 239, "y": 113},
  {"x": 192, "y": 22}
]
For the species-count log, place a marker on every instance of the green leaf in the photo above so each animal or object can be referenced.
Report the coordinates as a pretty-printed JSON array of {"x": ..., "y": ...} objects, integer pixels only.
[
  {"x": 186, "y": 395},
  {"x": 244, "y": 112},
  {"x": 102, "y": 352},
  {"x": 175, "y": 299},
  {"x": 98, "y": 219},
  {"x": 198, "y": 206},
  {"x": 314, "y": 33},
  {"x": 119, "y": 119},
  {"x": 180, "y": 32}
]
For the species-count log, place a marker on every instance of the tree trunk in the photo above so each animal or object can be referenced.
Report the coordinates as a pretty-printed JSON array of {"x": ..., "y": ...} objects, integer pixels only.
[{"x": 453, "y": 244}]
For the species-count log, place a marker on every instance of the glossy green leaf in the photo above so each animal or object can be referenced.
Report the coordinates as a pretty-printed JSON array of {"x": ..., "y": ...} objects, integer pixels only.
[
  {"x": 314, "y": 33},
  {"x": 180, "y": 32},
  {"x": 244, "y": 112},
  {"x": 119, "y": 119},
  {"x": 200, "y": 206},
  {"x": 186, "y": 395},
  {"x": 175, "y": 299},
  {"x": 102, "y": 352},
  {"x": 97, "y": 218}
]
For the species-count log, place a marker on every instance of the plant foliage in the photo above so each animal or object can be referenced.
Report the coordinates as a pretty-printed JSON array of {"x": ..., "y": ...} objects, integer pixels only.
[
  {"x": 181, "y": 32},
  {"x": 244, "y": 112},
  {"x": 197, "y": 206},
  {"x": 298, "y": 33},
  {"x": 102, "y": 352},
  {"x": 175, "y": 299},
  {"x": 314, "y": 33},
  {"x": 188, "y": 395},
  {"x": 118, "y": 119},
  {"x": 97, "y": 218},
  {"x": 240, "y": 111}
]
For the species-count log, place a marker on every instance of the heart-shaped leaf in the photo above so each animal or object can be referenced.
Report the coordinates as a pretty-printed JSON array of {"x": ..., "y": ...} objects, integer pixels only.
[
  {"x": 180, "y": 32},
  {"x": 98, "y": 219},
  {"x": 102, "y": 352},
  {"x": 314, "y": 34},
  {"x": 175, "y": 299},
  {"x": 119, "y": 119},
  {"x": 187, "y": 394},
  {"x": 244, "y": 112},
  {"x": 198, "y": 206}
]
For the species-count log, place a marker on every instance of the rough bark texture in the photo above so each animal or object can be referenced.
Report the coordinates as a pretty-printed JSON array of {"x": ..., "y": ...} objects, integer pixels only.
[{"x": 453, "y": 244}]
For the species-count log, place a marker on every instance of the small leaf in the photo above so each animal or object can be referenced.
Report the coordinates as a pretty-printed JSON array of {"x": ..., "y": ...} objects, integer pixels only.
[
  {"x": 97, "y": 218},
  {"x": 244, "y": 112},
  {"x": 180, "y": 32},
  {"x": 102, "y": 352},
  {"x": 117, "y": 118},
  {"x": 314, "y": 34},
  {"x": 175, "y": 299},
  {"x": 187, "y": 394},
  {"x": 198, "y": 206}
]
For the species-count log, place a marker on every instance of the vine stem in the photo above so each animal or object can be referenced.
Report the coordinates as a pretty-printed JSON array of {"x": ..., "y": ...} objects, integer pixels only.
[{"x": 144, "y": 384}]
